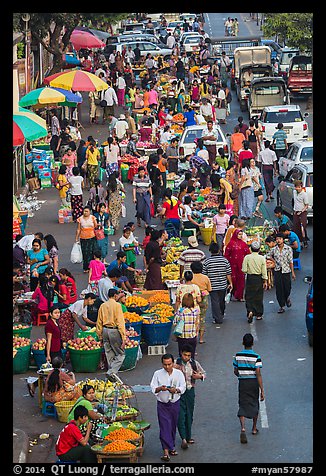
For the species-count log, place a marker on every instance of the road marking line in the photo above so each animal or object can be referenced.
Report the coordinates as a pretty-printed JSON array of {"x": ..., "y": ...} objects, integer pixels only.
[
  {"x": 210, "y": 26},
  {"x": 253, "y": 330},
  {"x": 263, "y": 414}
]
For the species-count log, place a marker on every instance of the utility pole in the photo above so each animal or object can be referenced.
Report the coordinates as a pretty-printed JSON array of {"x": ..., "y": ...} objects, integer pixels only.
[{"x": 26, "y": 17}]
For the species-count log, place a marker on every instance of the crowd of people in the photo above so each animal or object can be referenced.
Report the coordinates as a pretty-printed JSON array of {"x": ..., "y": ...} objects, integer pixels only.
[{"x": 231, "y": 267}]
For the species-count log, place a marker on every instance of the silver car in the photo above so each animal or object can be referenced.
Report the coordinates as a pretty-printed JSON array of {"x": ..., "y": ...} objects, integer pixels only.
[
  {"x": 187, "y": 145},
  {"x": 145, "y": 48},
  {"x": 301, "y": 151},
  {"x": 286, "y": 187}
]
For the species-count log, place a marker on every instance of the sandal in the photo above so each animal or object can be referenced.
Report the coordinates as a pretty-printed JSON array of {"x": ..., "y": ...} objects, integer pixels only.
[
  {"x": 250, "y": 317},
  {"x": 173, "y": 452},
  {"x": 243, "y": 437},
  {"x": 267, "y": 200},
  {"x": 31, "y": 389},
  {"x": 255, "y": 432},
  {"x": 202, "y": 342},
  {"x": 191, "y": 441},
  {"x": 281, "y": 310},
  {"x": 259, "y": 318},
  {"x": 165, "y": 458}
]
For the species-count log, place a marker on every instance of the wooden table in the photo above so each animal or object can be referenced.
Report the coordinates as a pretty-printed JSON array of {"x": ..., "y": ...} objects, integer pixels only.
[{"x": 132, "y": 456}]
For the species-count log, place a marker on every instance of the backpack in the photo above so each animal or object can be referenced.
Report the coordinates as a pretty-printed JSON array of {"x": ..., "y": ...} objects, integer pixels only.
[{"x": 229, "y": 97}]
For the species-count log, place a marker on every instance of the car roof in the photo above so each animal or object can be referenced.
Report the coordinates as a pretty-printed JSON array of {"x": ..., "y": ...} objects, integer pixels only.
[
  {"x": 287, "y": 49},
  {"x": 290, "y": 107},
  {"x": 304, "y": 142},
  {"x": 309, "y": 168},
  {"x": 202, "y": 126},
  {"x": 268, "y": 79}
]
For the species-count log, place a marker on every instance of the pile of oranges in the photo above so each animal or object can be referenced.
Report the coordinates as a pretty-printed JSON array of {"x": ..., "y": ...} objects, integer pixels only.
[
  {"x": 122, "y": 434},
  {"x": 117, "y": 446},
  {"x": 132, "y": 317},
  {"x": 136, "y": 301},
  {"x": 159, "y": 297},
  {"x": 163, "y": 310}
]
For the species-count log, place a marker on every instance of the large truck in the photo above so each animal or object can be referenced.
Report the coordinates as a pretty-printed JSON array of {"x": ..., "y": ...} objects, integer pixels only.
[
  {"x": 265, "y": 92},
  {"x": 254, "y": 58},
  {"x": 300, "y": 75}
]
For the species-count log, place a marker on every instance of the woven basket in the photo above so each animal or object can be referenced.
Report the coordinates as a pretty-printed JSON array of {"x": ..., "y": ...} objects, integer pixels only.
[
  {"x": 63, "y": 409},
  {"x": 140, "y": 280}
]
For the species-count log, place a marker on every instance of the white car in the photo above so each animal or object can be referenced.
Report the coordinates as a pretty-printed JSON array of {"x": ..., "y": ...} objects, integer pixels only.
[
  {"x": 300, "y": 152},
  {"x": 145, "y": 48},
  {"x": 187, "y": 145},
  {"x": 185, "y": 34},
  {"x": 191, "y": 44},
  {"x": 172, "y": 26},
  {"x": 290, "y": 116},
  {"x": 286, "y": 187}
]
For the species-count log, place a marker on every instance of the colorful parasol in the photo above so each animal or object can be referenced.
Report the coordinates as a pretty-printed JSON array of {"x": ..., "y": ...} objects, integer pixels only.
[
  {"x": 77, "y": 80},
  {"x": 42, "y": 97},
  {"x": 83, "y": 39},
  {"x": 27, "y": 126}
]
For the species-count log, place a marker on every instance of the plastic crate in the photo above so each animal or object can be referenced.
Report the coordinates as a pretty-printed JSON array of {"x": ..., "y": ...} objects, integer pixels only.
[
  {"x": 157, "y": 334},
  {"x": 130, "y": 359},
  {"x": 29, "y": 158},
  {"x": 22, "y": 359},
  {"x": 38, "y": 154},
  {"x": 23, "y": 332},
  {"x": 84, "y": 360},
  {"x": 41, "y": 164},
  {"x": 44, "y": 172}
]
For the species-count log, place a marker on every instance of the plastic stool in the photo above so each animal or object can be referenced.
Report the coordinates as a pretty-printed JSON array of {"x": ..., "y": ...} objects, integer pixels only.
[
  {"x": 296, "y": 263},
  {"x": 48, "y": 409},
  {"x": 42, "y": 318}
]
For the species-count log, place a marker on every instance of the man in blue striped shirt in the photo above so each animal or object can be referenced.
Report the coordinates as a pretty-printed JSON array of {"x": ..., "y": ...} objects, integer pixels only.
[{"x": 247, "y": 365}]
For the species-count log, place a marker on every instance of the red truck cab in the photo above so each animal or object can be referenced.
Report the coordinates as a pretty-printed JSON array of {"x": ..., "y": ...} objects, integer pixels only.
[{"x": 300, "y": 75}]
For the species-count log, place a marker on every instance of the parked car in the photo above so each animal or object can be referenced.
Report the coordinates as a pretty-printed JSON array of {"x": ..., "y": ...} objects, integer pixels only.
[
  {"x": 187, "y": 145},
  {"x": 190, "y": 17},
  {"x": 276, "y": 49},
  {"x": 301, "y": 152},
  {"x": 290, "y": 116},
  {"x": 266, "y": 92},
  {"x": 285, "y": 58},
  {"x": 185, "y": 34},
  {"x": 191, "y": 44},
  {"x": 145, "y": 48},
  {"x": 137, "y": 37},
  {"x": 300, "y": 75},
  {"x": 286, "y": 186},
  {"x": 172, "y": 26},
  {"x": 310, "y": 309}
]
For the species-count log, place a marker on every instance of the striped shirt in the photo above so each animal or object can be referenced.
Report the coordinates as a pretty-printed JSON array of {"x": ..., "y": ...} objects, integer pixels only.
[
  {"x": 189, "y": 256},
  {"x": 279, "y": 137},
  {"x": 247, "y": 361},
  {"x": 217, "y": 268},
  {"x": 142, "y": 185}
]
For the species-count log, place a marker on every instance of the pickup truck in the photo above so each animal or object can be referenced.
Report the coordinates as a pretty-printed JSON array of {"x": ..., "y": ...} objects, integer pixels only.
[
  {"x": 264, "y": 92},
  {"x": 256, "y": 58},
  {"x": 300, "y": 75}
]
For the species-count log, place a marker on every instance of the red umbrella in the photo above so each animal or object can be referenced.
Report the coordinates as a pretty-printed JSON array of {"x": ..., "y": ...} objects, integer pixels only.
[{"x": 83, "y": 39}]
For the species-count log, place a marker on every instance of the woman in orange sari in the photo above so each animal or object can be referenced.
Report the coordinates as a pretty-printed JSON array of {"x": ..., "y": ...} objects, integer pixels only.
[{"x": 235, "y": 252}]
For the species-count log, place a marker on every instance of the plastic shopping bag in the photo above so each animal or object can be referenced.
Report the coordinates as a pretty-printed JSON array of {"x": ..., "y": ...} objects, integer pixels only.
[
  {"x": 76, "y": 255},
  {"x": 123, "y": 211}
]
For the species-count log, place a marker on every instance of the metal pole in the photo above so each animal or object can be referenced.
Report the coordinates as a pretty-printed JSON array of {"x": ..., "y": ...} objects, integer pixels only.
[{"x": 257, "y": 19}]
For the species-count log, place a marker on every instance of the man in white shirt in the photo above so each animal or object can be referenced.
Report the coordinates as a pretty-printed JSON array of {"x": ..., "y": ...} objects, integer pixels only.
[
  {"x": 170, "y": 42},
  {"x": 210, "y": 136},
  {"x": 168, "y": 384},
  {"x": 248, "y": 76},
  {"x": 206, "y": 109},
  {"x": 130, "y": 55},
  {"x": 268, "y": 160},
  {"x": 109, "y": 95},
  {"x": 121, "y": 127},
  {"x": 25, "y": 243}
]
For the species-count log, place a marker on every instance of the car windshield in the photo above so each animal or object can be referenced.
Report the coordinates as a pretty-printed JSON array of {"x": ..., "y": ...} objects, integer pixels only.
[
  {"x": 309, "y": 180},
  {"x": 193, "y": 134},
  {"x": 263, "y": 90},
  {"x": 192, "y": 39},
  {"x": 306, "y": 154},
  {"x": 286, "y": 57},
  {"x": 283, "y": 117}
]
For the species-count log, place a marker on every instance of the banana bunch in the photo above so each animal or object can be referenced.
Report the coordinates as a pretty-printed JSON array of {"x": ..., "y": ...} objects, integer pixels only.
[
  {"x": 170, "y": 271},
  {"x": 173, "y": 253}
]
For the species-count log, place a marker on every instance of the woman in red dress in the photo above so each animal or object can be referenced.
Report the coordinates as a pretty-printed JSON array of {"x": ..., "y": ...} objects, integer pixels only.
[{"x": 235, "y": 252}]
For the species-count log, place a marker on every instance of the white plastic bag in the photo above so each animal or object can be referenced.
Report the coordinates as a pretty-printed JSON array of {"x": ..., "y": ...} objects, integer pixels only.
[
  {"x": 123, "y": 211},
  {"x": 76, "y": 255}
]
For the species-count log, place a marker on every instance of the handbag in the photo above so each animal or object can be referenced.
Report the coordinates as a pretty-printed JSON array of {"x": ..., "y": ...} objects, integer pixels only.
[
  {"x": 247, "y": 182},
  {"x": 99, "y": 233},
  {"x": 103, "y": 103},
  {"x": 178, "y": 330}
]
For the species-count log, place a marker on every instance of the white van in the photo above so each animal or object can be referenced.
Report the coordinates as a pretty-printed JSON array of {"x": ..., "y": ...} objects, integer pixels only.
[
  {"x": 290, "y": 116},
  {"x": 300, "y": 152}
]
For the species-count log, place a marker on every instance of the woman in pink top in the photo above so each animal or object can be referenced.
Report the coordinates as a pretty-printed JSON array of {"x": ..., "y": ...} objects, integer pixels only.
[
  {"x": 43, "y": 295},
  {"x": 195, "y": 91},
  {"x": 153, "y": 97},
  {"x": 220, "y": 224},
  {"x": 96, "y": 271}
]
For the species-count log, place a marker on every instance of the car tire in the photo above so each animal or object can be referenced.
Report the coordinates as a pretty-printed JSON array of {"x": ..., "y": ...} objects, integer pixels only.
[{"x": 310, "y": 339}]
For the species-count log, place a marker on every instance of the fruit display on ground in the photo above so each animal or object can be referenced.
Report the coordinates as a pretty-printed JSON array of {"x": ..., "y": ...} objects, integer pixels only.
[
  {"x": 170, "y": 271},
  {"x": 39, "y": 344},
  {"x": 18, "y": 342},
  {"x": 162, "y": 309},
  {"x": 84, "y": 343},
  {"x": 131, "y": 317}
]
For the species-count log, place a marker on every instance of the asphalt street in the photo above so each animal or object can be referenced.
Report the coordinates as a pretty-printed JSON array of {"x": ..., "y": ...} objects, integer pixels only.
[{"x": 285, "y": 423}]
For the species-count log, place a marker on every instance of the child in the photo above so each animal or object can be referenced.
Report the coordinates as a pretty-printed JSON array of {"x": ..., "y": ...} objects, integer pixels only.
[
  {"x": 132, "y": 226},
  {"x": 220, "y": 224},
  {"x": 204, "y": 284},
  {"x": 96, "y": 270},
  {"x": 128, "y": 244},
  {"x": 120, "y": 263},
  {"x": 280, "y": 217},
  {"x": 191, "y": 316},
  {"x": 148, "y": 230}
]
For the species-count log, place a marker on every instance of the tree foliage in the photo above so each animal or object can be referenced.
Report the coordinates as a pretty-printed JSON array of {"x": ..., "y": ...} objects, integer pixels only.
[
  {"x": 47, "y": 29},
  {"x": 292, "y": 29}
]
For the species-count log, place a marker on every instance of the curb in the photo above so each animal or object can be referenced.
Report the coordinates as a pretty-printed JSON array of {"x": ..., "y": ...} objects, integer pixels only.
[{"x": 20, "y": 446}]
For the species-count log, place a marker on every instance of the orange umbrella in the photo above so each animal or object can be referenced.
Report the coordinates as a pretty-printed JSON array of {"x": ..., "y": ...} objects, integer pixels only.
[{"x": 76, "y": 80}]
